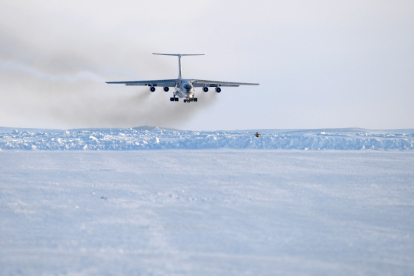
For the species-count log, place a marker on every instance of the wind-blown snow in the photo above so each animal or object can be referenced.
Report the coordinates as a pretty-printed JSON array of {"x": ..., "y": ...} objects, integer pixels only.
[{"x": 142, "y": 139}]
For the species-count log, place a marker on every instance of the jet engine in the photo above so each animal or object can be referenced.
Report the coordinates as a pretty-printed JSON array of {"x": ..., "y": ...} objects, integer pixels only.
[
  {"x": 205, "y": 89},
  {"x": 218, "y": 89},
  {"x": 152, "y": 89},
  {"x": 166, "y": 89}
]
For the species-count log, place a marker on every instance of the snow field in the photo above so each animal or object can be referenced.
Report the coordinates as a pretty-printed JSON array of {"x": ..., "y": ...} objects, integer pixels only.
[{"x": 206, "y": 212}]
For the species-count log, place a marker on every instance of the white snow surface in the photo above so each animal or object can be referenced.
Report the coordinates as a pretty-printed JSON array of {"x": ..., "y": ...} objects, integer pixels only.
[
  {"x": 204, "y": 212},
  {"x": 156, "y": 138}
]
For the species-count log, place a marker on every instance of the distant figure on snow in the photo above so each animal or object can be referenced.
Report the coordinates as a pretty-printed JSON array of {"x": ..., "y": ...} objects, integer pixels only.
[{"x": 257, "y": 134}]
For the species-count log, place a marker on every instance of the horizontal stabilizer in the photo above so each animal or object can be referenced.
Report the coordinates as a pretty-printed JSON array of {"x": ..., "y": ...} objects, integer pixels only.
[
  {"x": 179, "y": 59},
  {"x": 178, "y": 55}
]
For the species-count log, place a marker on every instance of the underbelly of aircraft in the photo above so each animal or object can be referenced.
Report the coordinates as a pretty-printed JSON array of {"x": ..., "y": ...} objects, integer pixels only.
[{"x": 184, "y": 94}]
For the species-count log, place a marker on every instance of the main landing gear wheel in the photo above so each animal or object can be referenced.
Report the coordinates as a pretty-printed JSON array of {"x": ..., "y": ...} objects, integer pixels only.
[
  {"x": 174, "y": 99},
  {"x": 190, "y": 100}
]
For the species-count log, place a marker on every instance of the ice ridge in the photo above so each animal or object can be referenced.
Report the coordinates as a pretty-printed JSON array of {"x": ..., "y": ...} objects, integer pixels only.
[{"x": 144, "y": 139}]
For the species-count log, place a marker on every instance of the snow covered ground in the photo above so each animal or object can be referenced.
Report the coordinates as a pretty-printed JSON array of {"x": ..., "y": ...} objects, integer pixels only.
[
  {"x": 204, "y": 212},
  {"x": 141, "y": 138}
]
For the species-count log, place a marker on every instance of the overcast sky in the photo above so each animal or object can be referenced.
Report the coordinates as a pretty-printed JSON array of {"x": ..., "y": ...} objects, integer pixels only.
[{"x": 320, "y": 64}]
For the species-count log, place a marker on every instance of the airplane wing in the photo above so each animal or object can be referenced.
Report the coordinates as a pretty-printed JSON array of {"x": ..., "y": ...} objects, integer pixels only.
[
  {"x": 164, "y": 83},
  {"x": 208, "y": 83}
]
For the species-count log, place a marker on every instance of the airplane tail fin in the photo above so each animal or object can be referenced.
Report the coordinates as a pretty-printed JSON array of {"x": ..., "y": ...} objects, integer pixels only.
[{"x": 179, "y": 59}]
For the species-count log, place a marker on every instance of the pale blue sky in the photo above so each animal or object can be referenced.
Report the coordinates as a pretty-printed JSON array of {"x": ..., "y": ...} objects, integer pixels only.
[{"x": 320, "y": 64}]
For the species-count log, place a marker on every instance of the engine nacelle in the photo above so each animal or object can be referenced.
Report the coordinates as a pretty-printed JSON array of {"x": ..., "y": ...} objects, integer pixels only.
[
  {"x": 205, "y": 89},
  {"x": 166, "y": 89},
  {"x": 218, "y": 89},
  {"x": 152, "y": 89}
]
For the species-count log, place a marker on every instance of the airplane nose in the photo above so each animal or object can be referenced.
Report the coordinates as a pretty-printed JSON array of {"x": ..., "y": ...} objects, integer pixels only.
[{"x": 187, "y": 87}]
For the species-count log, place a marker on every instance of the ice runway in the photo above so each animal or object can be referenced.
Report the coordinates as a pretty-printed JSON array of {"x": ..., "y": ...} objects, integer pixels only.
[{"x": 207, "y": 212}]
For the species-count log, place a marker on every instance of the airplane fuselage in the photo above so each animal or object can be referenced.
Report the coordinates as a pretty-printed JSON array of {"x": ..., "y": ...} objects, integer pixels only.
[{"x": 184, "y": 89}]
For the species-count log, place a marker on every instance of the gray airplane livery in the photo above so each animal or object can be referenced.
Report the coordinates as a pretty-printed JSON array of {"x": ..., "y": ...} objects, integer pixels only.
[{"x": 184, "y": 88}]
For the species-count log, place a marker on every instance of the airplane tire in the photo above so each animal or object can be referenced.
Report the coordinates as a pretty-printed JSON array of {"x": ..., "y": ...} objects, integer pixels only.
[
  {"x": 176, "y": 99},
  {"x": 195, "y": 99}
]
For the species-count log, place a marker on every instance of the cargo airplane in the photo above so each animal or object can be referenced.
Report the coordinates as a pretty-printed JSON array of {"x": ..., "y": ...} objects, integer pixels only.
[{"x": 184, "y": 88}]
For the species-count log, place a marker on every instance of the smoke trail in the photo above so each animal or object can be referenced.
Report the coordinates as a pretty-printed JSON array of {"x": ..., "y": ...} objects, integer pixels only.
[{"x": 66, "y": 89}]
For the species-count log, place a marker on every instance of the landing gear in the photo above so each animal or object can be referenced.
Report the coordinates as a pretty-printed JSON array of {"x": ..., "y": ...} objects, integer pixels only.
[
  {"x": 174, "y": 99},
  {"x": 190, "y": 100}
]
